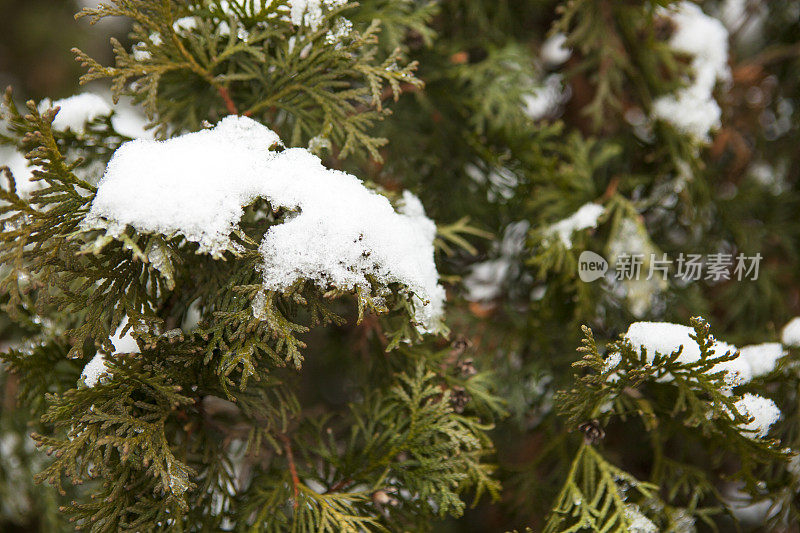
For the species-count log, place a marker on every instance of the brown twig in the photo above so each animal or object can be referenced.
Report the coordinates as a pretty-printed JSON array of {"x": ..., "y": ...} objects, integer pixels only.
[
  {"x": 339, "y": 485},
  {"x": 611, "y": 190},
  {"x": 292, "y": 468},
  {"x": 226, "y": 97}
]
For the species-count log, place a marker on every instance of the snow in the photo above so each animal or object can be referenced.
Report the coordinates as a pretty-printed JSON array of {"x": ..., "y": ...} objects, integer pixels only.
[
  {"x": 21, "y": 169},
  {"x": 76, "y": 111},
  {"x": 341, "y": 29},
  {"x": 309, "y": 12},
  {"x": 339, "y": 232},
  {"x": 130, "y": 122},
  {"x": 94, "y": 370},
  {"x": 97, "y": 368},
  {"x": 184, "y": 25},
  {"x": 764, "y": 413},
  {"x": 745, "y": 19},
  {"x": 762, "y": 358},
  {"x": 790, "y": 336},
  {"x": 486, "y": 279},
  {"x": 584, "y": 218},
  {"x": 629, "y": 237},
  {"x": 554, "y": 52},
  {"x": 501, "y": 181},
  {"x": 124, "y": 343},
  {"x": 195, "y": 184},
  {"x": 665, "y": 338},
  {"x": 544, "y": 101},
  {"x": 693, "y": 109},
  {"x": 637, "y": 522}
]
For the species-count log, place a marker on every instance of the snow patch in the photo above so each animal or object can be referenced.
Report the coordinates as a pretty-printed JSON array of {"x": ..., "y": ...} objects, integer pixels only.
[
  {"x": 545, "y": 100},
  {"x": 76, "y": 111},
  {"x": 790, "y": 336},
  {"x": 310, "y": 12},
  {"x": 554, "y": 52},
  {"x": 339, "y": 232},
  {"x": 762, "y": 358},
  {"x": 584, "y": 218},
  {"x": 487, "y": 279},
  {"x": 22, "y": 170},
  {"x": 96, "y": 369},
  {"x": 764, "y": 413},
  {"x": 638, "y": 522},
  {"x": 693, "y": 109},
  {"x": 665, "y": 338}
]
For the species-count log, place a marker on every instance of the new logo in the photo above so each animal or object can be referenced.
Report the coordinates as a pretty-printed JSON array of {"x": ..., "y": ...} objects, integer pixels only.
[{"x": 591, "y": 266}]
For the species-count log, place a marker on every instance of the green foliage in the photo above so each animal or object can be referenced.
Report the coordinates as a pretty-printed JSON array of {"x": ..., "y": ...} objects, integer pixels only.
[
  {"x": 665, "y": 397},
  {"x": 288, "y": 79},
  {"x": 318, "y": 409},
  {"x": 598, "y": 497}
]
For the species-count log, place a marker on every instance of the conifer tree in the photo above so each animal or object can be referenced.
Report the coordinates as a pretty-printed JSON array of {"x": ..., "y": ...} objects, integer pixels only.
[{"x": 407, "y": 265}]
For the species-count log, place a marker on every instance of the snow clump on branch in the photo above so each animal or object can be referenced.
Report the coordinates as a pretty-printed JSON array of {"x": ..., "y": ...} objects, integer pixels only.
[{"x": 338, "y": 232}]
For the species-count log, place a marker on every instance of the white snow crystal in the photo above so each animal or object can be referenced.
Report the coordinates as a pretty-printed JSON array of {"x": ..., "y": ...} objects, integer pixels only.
[
  {"x": 97, "y": 368},
  {"x": 340, "y": 232},
  {"x": 309, "y": 12},
  {"x": 22, "y": 171},
  {"x": 124, "y": 343},
  {"x": 486, "y": 279},
  {"x": 94, "y": 370},
  {"x": 543, "y": 101},
  {"x": 612, "y": 361},
  {"x": 790, "y": 336},
  {"x": 129, "y": 121},
  {"x": 665, "y": 338},
  {"x": 584, "y": 218},
  {"x": 195, "y": 184},
  {"x": 184, "y": 24},
  {"x": 764, "y": 413},
  {"x": 762, "y": 358},
  {"x": 76, "y": 111},
  {"x": 637, "y": 522},
  {"x": 745, "y": 19},
  {"x": 693, "y": 109},
  {"x": 554, "y": 52},
  {"x": 341, "y": 29}
]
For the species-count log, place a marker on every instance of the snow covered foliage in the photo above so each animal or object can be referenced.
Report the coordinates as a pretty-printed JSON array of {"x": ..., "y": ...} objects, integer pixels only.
[
  {"x": 310, "y": 12},
  {"x": 338, "y": 232},
  {"x": 584, "y": 218},
  {"x": 554, "y": 51},
  {"x": 594, "y": 167},
  {"x": 763, "y": 411},
  {"x": 543, "y": 101},
  {"x": 639, "y": 523},
  {"x": 665, "y": 338},
  {"x": 97, "y": 368},
  {"x": 21, "y": 169},
  {"x": 762, "y": 358},
  {"x": 790, "y": 335},
  {"x": 693, "y": 109},
  {"x": 76, "y": 111},
  {"x": 487, "y": 279},
  {"x": 662, "y": 338},
  {"x": 94, "y": 370}
]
